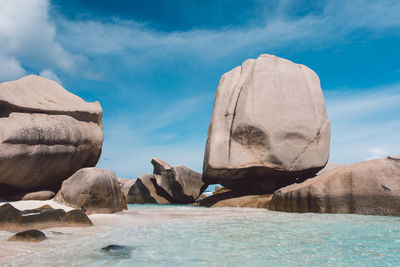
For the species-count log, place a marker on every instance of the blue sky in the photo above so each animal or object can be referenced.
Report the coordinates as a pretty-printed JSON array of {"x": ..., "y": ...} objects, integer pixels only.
[{"x": 155, "y": 66}]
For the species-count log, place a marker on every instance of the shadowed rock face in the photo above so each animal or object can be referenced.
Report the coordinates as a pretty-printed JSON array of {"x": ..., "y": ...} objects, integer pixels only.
[
  {"x": 46, "y": 134},
  {"x": 371, "y": 187},
  {"x": 269, "y": 127},
  {"x": 93, "y": 190},
  {"x": 144, "y": 191},
  {"x": 14, "y": 220},
  {"x": 167, "y": 184}
]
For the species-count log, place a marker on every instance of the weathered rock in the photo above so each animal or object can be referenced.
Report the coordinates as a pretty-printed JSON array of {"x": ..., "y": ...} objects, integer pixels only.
[
  {"x": 126, "y": 186},
  {"x": 46, "y": 134},
  {"x": 14, "y": 220},
  {"x": 227, "y": 198},
  {"x": 40, "y": 195},
  {"x": 145, "y": 191},
  {"x": 269, "y": 127},
  {"x": 28, "y": 236},
  {"x": 93, "y": 190},
  {"x": 330, "y": 166},
  {"x": 371, "y": 187},
  {"x": 167, "y": 184},
  {"x": 181, "y": 184}
]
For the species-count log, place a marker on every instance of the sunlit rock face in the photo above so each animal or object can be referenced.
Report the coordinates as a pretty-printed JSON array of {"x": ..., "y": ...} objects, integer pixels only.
[
  {"x": 269, "y": 126},
  {"x": 46, "y": 134}
]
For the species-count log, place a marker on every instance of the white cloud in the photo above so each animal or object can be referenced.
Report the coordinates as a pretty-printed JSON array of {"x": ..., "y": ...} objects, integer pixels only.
[
  {"x": 50, "y": 75},
  {"x": 376, "y": 153},
  {"x": 28, "y": 35},
  {"x": 10, "y": 69}
]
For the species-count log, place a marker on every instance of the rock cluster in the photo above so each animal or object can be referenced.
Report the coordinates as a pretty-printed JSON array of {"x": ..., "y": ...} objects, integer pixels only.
[
  {"x": 14, "y": 220},
  {"x": 269, "y": 127},
  {"x": 167, "y": 184},
  {"x": 46, "y": 135}
]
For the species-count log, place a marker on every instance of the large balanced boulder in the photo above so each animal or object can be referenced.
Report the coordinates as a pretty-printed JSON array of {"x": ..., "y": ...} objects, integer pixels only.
[
  {"x": 167, "y": 184},
  {"x": 14, "y": 220},
  {"x": 46, "y": 134},
  {"x": 370, "y": 187},
  {"x": 269, "y": 126},
  {"x": 93, "y": 190}
]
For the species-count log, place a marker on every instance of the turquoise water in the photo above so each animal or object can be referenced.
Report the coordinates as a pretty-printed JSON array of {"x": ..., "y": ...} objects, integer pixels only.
[{"x": 192, "y": 236}]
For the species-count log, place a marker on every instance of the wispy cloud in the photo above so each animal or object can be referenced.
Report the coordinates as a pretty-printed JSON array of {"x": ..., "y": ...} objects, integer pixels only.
[
  {"x": 32, "y": 36},
  {"x": 365, "y": 123}
]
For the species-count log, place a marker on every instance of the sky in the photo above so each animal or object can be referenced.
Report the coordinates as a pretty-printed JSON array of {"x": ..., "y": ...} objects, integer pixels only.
[{"x": 155, "y": 66}]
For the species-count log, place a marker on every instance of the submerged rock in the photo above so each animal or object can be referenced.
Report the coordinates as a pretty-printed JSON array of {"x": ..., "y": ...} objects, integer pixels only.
[
  {"x": 14, "y": 220},
  {"x": 269, "y": 127},
  {"x": 47, "y": 134},
  {"x": 370, "y": 187},
  {"x": 118, "y": 251},
  {"x": 93, "y": 190},
  {"x": 167, "y": 184},
  {"x": 28, "y": 236}
]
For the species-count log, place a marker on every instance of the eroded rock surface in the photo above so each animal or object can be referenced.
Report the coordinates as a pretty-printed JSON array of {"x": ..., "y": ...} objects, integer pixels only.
[
  {"x": 93, "y": 190},
  {"x": 269, "y": 126},
  {"x": 370, "y": 187},
  {"x": 46, "y": 134}
]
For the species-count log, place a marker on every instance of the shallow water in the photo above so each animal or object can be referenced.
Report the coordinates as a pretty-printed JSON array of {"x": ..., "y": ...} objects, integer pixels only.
[{"x": 158, "y": 235}]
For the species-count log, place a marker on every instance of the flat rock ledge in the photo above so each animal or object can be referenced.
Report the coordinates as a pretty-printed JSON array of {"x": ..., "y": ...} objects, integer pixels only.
[
  {"x": 14, "y": 220},
  {"x": 227, "y": 198}
]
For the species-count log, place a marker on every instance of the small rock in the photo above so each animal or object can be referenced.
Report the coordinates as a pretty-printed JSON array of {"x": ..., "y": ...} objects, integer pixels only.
[
  {"x": 28, "y": 236},
  {"x": 93, "y": 190},
  {"x": 39, "y": 195}
]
